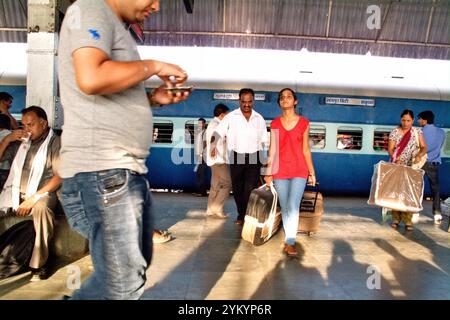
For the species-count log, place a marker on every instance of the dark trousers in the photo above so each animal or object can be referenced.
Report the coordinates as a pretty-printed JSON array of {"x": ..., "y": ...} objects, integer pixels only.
[
  {"x": 432, "y": 172},
  {"x": 201, "y": 178},
  {"x": 245, "y": 170}
]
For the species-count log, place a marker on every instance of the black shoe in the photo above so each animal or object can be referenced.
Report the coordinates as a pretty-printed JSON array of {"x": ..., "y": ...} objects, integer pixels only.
[
  {"x": 38, "y": 274},
  {"x": 66, "y": 297}
]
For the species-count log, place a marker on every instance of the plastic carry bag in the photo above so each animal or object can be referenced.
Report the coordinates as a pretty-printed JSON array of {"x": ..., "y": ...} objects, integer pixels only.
[
  {"x": 397, "y": 187},
  {"x": 386, "y": 214}
]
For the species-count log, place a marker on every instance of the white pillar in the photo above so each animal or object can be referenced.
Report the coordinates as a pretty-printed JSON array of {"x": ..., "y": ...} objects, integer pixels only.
[{"x": 42, "y": 88}]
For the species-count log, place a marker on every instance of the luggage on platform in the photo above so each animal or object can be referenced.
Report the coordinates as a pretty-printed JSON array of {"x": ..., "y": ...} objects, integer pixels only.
[
  {"x": 397, "y": 187},
  {"x": 311, "y": 210},
  {"x": 262, "y": 219},
  {"x": 16, "y": 247}
]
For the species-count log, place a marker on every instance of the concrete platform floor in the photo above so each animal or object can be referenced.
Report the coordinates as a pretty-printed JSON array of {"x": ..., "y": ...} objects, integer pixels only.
[{"x": 353, "y": 256}]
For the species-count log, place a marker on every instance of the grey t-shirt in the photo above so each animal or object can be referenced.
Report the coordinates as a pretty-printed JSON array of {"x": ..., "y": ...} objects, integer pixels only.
[{"x": 100, "y": 132}]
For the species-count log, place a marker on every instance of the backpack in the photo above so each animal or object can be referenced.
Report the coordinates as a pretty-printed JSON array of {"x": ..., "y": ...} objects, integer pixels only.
[{"x": 16, "y": 247}]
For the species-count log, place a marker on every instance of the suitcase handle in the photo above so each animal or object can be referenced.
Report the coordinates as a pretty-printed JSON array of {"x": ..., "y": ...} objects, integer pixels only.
[
  {"x": 315, "y": 189},
  {"x": 274, "y": 193}
]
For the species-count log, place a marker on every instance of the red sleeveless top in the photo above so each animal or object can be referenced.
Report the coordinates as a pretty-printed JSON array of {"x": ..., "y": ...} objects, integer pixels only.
[{"x": 289, "y": 159}]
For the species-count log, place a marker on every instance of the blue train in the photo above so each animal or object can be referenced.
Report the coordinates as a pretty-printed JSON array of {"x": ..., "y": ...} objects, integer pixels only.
[
  {"x": 340, "y": 170},
  {"x": 356, "y": 97}
]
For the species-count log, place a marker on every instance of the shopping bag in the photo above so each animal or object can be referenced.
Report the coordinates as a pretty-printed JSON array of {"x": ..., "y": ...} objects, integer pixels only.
[{"x": 397, "y": 187}]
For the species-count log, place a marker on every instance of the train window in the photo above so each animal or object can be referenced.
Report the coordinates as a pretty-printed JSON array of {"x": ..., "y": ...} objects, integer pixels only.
[
  {"x": 162, "y": 132},
  {"x": 380, "y": 140},
  {"x": 349, "y": 138},
  {"x": 317, "y": 137},
  {"x": 447, "y": 144}
]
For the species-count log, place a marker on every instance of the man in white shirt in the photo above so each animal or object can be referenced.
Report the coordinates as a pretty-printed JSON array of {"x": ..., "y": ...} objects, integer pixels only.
[
  {"x": 246, "y": 134},
  {"x": 220, "y": 173}
]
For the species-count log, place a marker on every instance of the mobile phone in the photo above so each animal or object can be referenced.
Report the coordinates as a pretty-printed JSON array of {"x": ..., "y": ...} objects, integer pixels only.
[{"x": 180, "y": 89}]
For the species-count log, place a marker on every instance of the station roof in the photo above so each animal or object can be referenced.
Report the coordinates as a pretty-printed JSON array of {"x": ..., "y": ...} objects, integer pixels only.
[{"x": 407, "y": 28}]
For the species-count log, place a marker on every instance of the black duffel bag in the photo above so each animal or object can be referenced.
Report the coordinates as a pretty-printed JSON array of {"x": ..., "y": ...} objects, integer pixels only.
[{"x": 16, "y": 247}]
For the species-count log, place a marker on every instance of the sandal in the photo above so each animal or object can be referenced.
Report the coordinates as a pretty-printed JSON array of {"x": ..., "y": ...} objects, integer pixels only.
[
  {"x": 290, "y": 250},
  {"x": 409, "y": 227},
  {"x": 161, "y": 236},
  {"x": 394, "y": 225}
]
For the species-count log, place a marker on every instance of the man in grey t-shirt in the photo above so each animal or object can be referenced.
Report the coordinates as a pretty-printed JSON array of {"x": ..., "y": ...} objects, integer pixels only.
[{"x": 106, "y": 139}]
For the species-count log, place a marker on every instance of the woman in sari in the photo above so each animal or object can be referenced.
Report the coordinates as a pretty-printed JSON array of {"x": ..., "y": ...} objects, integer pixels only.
[{"x": 404, "y": 141}]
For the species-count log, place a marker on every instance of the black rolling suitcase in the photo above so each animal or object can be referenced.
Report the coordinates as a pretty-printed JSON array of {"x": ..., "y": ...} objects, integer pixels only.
[
  {"x": 262, "y": 219},
  {"x": 311, "y": 210}
]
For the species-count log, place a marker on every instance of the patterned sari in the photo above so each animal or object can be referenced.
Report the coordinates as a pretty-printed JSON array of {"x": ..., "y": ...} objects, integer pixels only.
[{"x": 405, "y": 147}]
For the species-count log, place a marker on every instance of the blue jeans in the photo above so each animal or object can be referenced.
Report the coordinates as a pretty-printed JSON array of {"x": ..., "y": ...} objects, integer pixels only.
[
  {"x": 290, "y": 193},
  {"x": 113, "y": 210}
]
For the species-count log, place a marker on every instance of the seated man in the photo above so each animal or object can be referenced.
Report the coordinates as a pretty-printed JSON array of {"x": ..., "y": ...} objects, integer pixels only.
[{"x": 32, "y": 181}]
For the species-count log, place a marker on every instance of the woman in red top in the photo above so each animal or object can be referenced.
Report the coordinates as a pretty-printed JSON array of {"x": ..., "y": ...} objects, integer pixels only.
[{"x": 290, "y": 163}]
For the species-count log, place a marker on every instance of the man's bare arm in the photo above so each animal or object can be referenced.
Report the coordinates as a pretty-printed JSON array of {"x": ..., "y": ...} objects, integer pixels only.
[{"x": 97, "y": 74}]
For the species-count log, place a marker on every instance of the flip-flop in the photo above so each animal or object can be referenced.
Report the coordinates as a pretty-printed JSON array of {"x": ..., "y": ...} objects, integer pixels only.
[{"x": 164, "y": 236}]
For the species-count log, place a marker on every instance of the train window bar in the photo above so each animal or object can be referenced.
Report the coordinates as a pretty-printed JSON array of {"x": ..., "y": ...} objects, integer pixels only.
[
  {"x": 317, "y": 136},
  {"x": 349, "y": 138},
  {"x": 380, "y": 140},
  {"x": 162, "y": 132}
]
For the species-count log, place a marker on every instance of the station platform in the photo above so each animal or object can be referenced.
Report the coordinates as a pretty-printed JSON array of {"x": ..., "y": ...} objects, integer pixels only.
[{"x": 353, "y": 256}]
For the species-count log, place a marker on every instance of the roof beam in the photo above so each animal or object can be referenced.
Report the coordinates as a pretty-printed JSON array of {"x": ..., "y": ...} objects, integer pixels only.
[
  {"x": 288, "y": 36},
  {"x": 189, "y": 5},
  {"x": 330, "y": 7},
  {"x": 23, "y": 6},
  {"x": 383, "y": 23},
  {"x": 11, "y": 29},
  {"x": 430, "y": 21}
]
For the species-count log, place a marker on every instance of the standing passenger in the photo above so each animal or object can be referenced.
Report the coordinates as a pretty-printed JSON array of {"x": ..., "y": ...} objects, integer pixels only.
[
  {"x": 220, "y": 172},
  {"x": 246, "y": 134},
  {"x": 290, "y": 164},
  {"x": 105, "y": 194},
  {"x": 403, "y": 143},
  {"x": 200, "y": 157},
  {"x": 434, "y": 139},
  {"x": 6, "y": 101}
]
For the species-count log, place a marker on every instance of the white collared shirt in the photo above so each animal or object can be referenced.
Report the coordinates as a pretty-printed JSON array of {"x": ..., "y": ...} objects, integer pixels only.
[
  {"x": 221, "y": 146},
  {"x": 243, "y": 136},
  {"x": 199, "y": 143}
]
